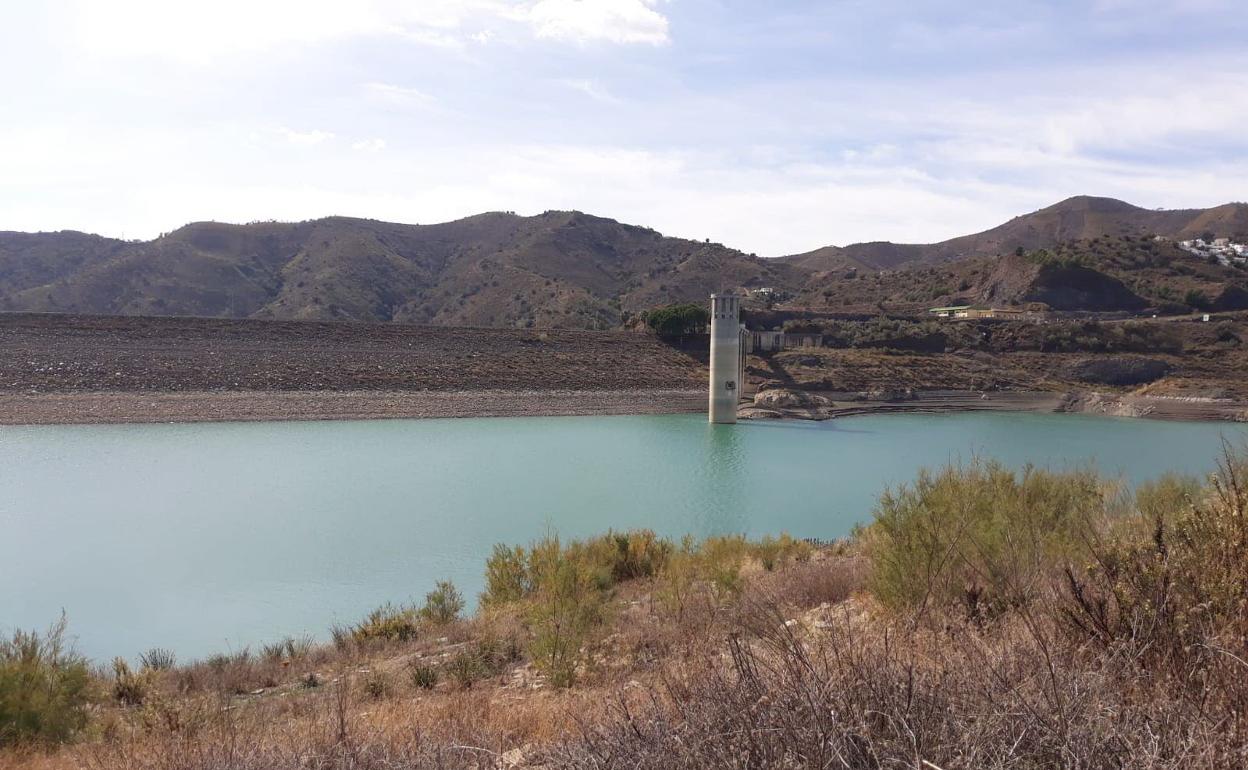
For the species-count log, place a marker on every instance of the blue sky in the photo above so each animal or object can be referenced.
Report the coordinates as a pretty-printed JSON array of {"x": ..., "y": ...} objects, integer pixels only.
[{"x": 775, "y": 127}]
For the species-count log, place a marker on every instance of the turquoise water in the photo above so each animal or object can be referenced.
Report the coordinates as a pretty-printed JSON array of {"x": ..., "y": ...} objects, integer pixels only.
[{"x": 211, "y": 537}]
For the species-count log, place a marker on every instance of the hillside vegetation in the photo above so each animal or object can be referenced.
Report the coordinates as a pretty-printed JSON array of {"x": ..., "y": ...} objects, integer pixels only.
[
  {"x": 985, "y": 618},
  {"x": 1100, "y": 274},
  {"x": 1080, "y": 218},
  {"x": 556, "y": 270},
  {"x": 571, "y": 270}
]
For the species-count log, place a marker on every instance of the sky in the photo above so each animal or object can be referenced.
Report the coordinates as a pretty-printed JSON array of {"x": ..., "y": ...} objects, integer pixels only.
[{"x": 774, "y": 126}]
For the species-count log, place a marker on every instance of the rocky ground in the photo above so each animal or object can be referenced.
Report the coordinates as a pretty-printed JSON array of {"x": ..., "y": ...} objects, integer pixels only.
[
  {"x": 97, "y": 369},
  {"x": 113, "y": 369}
]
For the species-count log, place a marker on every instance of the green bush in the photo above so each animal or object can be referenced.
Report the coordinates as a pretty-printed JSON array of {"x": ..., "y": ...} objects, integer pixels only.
[
  {"x": 720, "y": 561},
  {"x": 1176, "y": 581},
  {"x": 514, "y": 573},
  {"x": 978, "y": 535},
  {"x": 774, "y": 552},
  {"x": 566, "y": 605},
  {"x": 443, "y": 604},
  {"x": 1197, "y": 299},
  {"x": 638, "y": 554},
  {"x": 465, "y": 669},
  {"x": 389, "y": 624},
  {"x": 130, "y": 688},
  {"x": 506, "y": 576},
  {"x": 424, "y": 677},
  {"x": 673, "y": 320},
  {"x": 44, "y": 688},
  {"x": 563, "y": 588},
  {"x": 290, "y": 648},
  {"x": 486, "y": 658}
]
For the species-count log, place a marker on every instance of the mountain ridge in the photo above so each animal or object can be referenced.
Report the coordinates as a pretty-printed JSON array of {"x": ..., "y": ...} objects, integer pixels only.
[
  {"x": 1080, "y": 217},
  {"x": 558, "y": 269}
]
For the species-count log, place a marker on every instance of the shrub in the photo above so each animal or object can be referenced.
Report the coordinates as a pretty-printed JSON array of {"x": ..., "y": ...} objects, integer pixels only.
[
  {"x": 158, "y": 659},
  {"x": 465, "y": 668},
  {"x": 774, "y": 552},
  {"x": 130, "y": 688},
  {"x": 673, "y": 320},
  {"x": 377, "y": 685},
  {"x": 290, "y": 648},
  {"x": 387, "y": 624},
  {"x": 443, "y": 604},
  {"x": 979, "y": 535},
  {"x": 298, "y": 647},
  {"x": 638, "y": 554},
  {"x": 342, "y": 636},
  {"x": 1171, "y": 587},
  {"x": 506, "y": 576},
  {"x": 679, "y": 579},
  {"x": 424, "y": 677},
  {"x": 1197, "y": 299},
  {"x": 720, "y": 561},
  {"x": 566, "y": 605},
  {"x": 514, "y": 573},
  {"x": 43, "y": 688}
]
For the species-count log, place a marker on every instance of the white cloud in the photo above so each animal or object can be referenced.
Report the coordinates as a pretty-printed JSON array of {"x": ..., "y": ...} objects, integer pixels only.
[
  {"x": 617, "y": 21},
  {"x": 399, "y": 96},
  {"x": 199, "y": 31},
  {"x": 590, "y": 88},
  {"x": 206, "y": 32},
  {"x": 772, "y": 201},
  {"x": 770, "y": 161},
  {"x": 305, "y": 138}
]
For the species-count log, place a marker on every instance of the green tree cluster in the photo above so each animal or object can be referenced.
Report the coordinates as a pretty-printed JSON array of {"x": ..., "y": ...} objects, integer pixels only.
[{"x": 673, "y": 320}]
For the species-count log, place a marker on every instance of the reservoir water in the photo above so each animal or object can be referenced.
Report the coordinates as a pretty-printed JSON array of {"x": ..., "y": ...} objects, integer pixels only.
[{"x": 211, "y": 537}]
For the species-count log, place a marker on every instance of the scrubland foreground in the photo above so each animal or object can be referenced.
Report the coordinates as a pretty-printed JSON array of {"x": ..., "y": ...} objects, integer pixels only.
[{"x": 986, "y": 618}]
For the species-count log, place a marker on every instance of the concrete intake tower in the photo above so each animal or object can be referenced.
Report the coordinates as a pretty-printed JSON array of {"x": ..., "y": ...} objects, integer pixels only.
[{"x": 726, "y": 361}]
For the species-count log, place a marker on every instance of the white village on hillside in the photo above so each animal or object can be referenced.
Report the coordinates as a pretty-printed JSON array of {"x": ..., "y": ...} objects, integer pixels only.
[{"x": 1226, "y": 251}]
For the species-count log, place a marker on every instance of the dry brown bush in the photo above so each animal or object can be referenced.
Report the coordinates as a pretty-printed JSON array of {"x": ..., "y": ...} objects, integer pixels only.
[{"x": 888, "y": 695}]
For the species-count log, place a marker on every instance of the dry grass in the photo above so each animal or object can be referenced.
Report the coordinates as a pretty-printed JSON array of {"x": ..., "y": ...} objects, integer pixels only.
[
  {"x": 885, "y": 694},
  {"x": 1128, "y": 648},
  {"x": 368, "y": 710}
]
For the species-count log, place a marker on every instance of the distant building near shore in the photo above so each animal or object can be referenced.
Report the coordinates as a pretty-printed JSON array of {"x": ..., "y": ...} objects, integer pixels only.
[
  {"x": 952, "y": 311},
  {"x": 969, "y": 312},
  {"x": 769, "y": 341}
]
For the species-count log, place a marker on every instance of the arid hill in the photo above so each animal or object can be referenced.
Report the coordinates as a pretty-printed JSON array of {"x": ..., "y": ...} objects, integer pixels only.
[
  {"x": 557, "y": 270},
  {"x": 1079, "y": 218},
  {"x": 1100, "y": 274},
  {"x": 571, "y": 270}
]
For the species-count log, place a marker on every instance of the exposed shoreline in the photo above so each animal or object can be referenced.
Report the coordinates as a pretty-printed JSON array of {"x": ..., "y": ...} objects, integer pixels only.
[
  {"x": 95, "y": 408},
  {"x": 121, "y": 407},
  {"x": 123, "y": 369},
  {"x": 1044, "y": 402}
]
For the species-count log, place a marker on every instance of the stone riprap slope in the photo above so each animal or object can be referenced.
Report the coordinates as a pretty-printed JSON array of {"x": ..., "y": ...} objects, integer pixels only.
[{"x": 43, "y": 354}]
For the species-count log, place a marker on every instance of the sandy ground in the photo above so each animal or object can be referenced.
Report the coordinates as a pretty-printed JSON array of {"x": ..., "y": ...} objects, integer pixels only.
[{"x": 235, "y": 406}]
